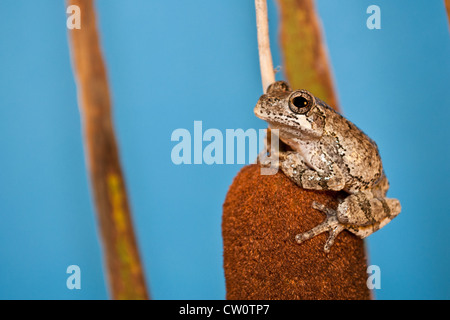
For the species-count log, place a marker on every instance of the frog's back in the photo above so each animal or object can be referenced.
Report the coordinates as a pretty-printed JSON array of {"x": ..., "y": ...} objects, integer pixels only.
[{"x": 361, "y": 161}]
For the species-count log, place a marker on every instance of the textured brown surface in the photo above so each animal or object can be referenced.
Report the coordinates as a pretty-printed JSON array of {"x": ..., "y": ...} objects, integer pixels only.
[{"x": 261, "y": 216}]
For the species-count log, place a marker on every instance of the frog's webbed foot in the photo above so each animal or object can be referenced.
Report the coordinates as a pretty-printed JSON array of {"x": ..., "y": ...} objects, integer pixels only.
[{"x": 331, "y": 224}]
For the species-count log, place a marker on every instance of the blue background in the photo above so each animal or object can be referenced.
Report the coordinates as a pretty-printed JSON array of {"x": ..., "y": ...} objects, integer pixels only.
[{"x": 173, "y": 62}]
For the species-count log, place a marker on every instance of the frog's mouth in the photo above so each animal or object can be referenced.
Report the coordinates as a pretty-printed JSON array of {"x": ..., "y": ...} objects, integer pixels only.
[
  {"x": 259, "y": 113},
  {"x": 268, "y": 116},
  {"x": 286, "y": 132}
]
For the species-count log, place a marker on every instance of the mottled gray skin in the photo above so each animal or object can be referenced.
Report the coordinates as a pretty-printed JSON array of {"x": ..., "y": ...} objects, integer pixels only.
[{"x": 329, "y": 153}]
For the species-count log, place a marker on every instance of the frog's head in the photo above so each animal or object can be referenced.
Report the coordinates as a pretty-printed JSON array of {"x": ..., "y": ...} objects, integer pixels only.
[{"x": 296, "y": 114}]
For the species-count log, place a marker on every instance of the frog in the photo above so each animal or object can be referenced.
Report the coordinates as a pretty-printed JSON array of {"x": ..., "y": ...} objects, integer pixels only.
[{"x": 325, "y": 151}]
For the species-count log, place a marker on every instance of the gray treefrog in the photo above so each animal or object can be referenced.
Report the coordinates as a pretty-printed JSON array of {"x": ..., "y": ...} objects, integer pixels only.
[{"x": 328, "y": 152}]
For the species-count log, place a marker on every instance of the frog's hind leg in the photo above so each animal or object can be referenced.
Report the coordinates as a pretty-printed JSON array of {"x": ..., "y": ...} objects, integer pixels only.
[
  {"x": 363, "y": 214},
  {"x": 365, "y": 231},
  {"x": 331, "y": 225}
]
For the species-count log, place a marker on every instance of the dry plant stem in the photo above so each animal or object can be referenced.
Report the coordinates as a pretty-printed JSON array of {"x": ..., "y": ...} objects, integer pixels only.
[
  {"x": 265, "y": 56},
  {"x": 304, "y": 52},
  {"x": 124, "y": 271}
]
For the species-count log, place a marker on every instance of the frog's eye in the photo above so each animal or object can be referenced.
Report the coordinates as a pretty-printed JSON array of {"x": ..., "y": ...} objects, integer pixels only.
[{"x": 301, "y": 101}]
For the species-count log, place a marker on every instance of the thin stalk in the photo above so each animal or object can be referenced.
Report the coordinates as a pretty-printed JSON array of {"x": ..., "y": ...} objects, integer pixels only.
[
  {"x": 265, "y": 55},
  {"x": 124, "y": 271}
]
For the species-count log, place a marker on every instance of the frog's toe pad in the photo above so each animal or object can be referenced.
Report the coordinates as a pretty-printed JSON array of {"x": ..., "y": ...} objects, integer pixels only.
[
  {"x": 328, "y": 211},
  {"x": 330, "y": 225}
]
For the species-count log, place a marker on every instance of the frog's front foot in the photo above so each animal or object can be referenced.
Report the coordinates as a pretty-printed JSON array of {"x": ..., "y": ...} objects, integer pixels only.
[
  {"x": 293, "y": 165},
  {"x": 267, "y": 160},
  {"x": 331, "y": 224}
]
